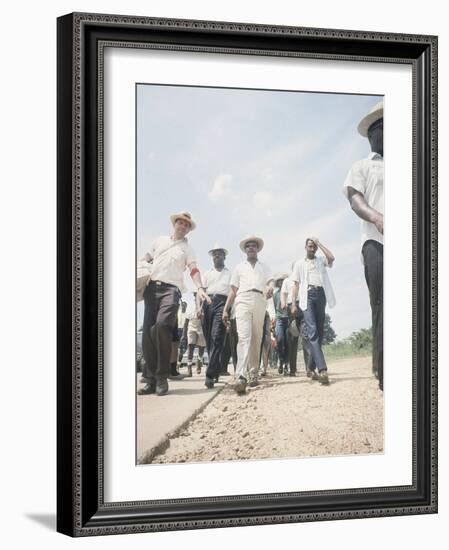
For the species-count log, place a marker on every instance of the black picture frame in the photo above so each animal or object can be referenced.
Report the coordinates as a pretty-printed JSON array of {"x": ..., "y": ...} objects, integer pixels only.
[{"x": 81, "y": 510}]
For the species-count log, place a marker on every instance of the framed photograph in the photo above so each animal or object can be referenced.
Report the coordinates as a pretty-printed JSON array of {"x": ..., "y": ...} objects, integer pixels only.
[{"x": 247, "y": 218}]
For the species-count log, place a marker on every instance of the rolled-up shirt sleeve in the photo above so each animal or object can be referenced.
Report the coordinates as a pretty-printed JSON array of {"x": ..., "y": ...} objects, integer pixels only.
[
  {"x": 295, "y": 274},
  {"x": 235, "y": 277},
  {"x": 356, "y": 179}
]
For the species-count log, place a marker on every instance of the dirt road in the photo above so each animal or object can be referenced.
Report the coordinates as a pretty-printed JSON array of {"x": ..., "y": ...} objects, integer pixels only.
[{"x": 288, "y": 417}]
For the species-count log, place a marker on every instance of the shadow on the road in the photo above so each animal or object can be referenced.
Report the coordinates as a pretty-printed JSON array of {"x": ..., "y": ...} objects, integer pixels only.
[
  {"x": 338, "y": 378},
  {"x": 184, "y": 391}
]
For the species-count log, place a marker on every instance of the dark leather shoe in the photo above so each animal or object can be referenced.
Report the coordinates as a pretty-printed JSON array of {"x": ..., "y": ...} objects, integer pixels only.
[
  {"x": 240, "y": 386},
  {"x": 323, "y": 378},
  {"x": 176, "y": 376},
  {"x": 147, "y": 389},
  {"x": 209, "y": 383},
  {"x": 161, "y": 386},
  {"x": 253, "y": 383},
  {"x": 311, "y": 373},
  {"x": 280, "y": 369}
]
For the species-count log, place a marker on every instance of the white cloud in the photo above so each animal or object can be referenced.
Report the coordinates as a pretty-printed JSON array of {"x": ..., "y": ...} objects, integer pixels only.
[
  {"x": 222, "y": 188},
  {"x": 263, "y": 200}
]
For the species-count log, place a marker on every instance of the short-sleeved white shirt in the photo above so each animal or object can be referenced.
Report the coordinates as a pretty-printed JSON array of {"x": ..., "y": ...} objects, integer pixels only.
[
  {"x": 301, "y": 275},
  {"x": 367, "y": 177},
  {"x": 246, "y": 277},
  {"x": 170, "y": 259},
  {"x": 217, "y": 282}
]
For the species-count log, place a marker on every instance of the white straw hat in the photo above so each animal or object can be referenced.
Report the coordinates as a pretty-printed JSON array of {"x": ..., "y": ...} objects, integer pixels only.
[
  {"x": 218, "y": 247},
  {"x": 279, "y": 276},
  {"x": 186, "y": 216},
  {"x": 376, "y": 113},
  {"x": 258, "y": 240}
]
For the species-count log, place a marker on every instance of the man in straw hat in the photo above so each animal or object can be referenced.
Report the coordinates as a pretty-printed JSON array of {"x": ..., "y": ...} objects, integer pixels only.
[
  {"x": 217, "y": 282},
  {"x": 364, "y": 189},
  {"x": 170, "y": 255},
  {"x": 315, "y": 291},
  {"x": 251, "y": 285}
]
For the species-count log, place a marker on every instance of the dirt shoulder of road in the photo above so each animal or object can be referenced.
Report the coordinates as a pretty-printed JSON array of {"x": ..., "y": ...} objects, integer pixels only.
[{"x": 288, "y": 417}]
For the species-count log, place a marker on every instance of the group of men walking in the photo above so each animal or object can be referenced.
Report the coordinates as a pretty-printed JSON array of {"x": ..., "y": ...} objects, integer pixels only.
[{"x": 299, "y": 299}]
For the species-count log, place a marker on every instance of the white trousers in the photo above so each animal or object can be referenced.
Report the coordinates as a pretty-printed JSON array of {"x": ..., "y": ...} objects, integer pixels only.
[{"x": 249, "y": 315}]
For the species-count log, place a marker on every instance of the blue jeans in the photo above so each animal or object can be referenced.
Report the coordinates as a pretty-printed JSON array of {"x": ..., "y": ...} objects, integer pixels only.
[
  {"x": 314, "y": 326},
  {"x": 281, "y": 332}
]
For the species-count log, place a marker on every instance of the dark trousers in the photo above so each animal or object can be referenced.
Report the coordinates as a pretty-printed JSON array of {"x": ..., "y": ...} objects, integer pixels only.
[
  {"x": 161, "y": 310},
  {"x": 281, "y": 333},
  {"x": 314, "y": 326},
  {"x": 293, "y": 340},
  {"x": 307, "y": 356},
  {"x": 214, "y": 333},
  {"x": 265, "y": 345},
  {"x": 230, "y": 347},
  {"x": 373, "y": 255}
]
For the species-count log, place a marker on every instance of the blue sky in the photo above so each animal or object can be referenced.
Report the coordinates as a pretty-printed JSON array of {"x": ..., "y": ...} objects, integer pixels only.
[{"x": 271, "y": 163}]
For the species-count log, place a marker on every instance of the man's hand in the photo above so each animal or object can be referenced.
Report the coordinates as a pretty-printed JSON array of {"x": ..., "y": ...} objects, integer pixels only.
[
  {"x": 269, "y": 292},
  {"x": 203, "y": 296},
  {"x": 294, "y": 310},
  {"x": 379, "y": 223},
  {"x": 225, "y": 319},
  {"x": 316, "y": 241}
]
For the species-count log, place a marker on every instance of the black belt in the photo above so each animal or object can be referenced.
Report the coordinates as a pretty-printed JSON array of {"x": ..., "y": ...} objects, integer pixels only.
[
  {"x": 161, "y": 283},
  {"x": 220, "y": 296},
  {"x": 313, "y": 287},
  {"x": 255, "y": 290}
]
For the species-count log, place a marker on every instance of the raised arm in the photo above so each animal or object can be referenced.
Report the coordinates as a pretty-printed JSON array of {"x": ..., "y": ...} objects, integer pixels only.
[
  {"x": 364, "y": 210},
  {"x": 329, "y": 256}
]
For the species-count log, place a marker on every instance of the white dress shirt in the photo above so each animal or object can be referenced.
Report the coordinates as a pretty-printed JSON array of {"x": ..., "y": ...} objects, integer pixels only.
[
  {"x": 246, "y": 277},
  {"x": 367, "y": 177},
  {"x": 170, "y": 259},
  {"x": 314, "y": 275},
  {"x": 217, "y": 282},
  {"x": 301, "y": 274}
]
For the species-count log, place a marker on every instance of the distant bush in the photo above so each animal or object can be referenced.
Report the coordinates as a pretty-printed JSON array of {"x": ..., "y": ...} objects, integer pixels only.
[{"x": 359, "y": 343}]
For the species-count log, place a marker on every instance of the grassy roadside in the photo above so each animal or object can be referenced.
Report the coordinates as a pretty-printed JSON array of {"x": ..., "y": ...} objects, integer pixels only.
[{"x": 339, "y": 350}]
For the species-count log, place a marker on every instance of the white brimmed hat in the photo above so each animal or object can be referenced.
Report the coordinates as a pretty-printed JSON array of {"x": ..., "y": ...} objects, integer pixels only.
[
  {"x": 217, "y": 247},
  {"x": 376, "y": 113},
  {"x": 186, "y": 216},
  {"x": 279, "y": 276},
  {"x": 258, "y": 240}
]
